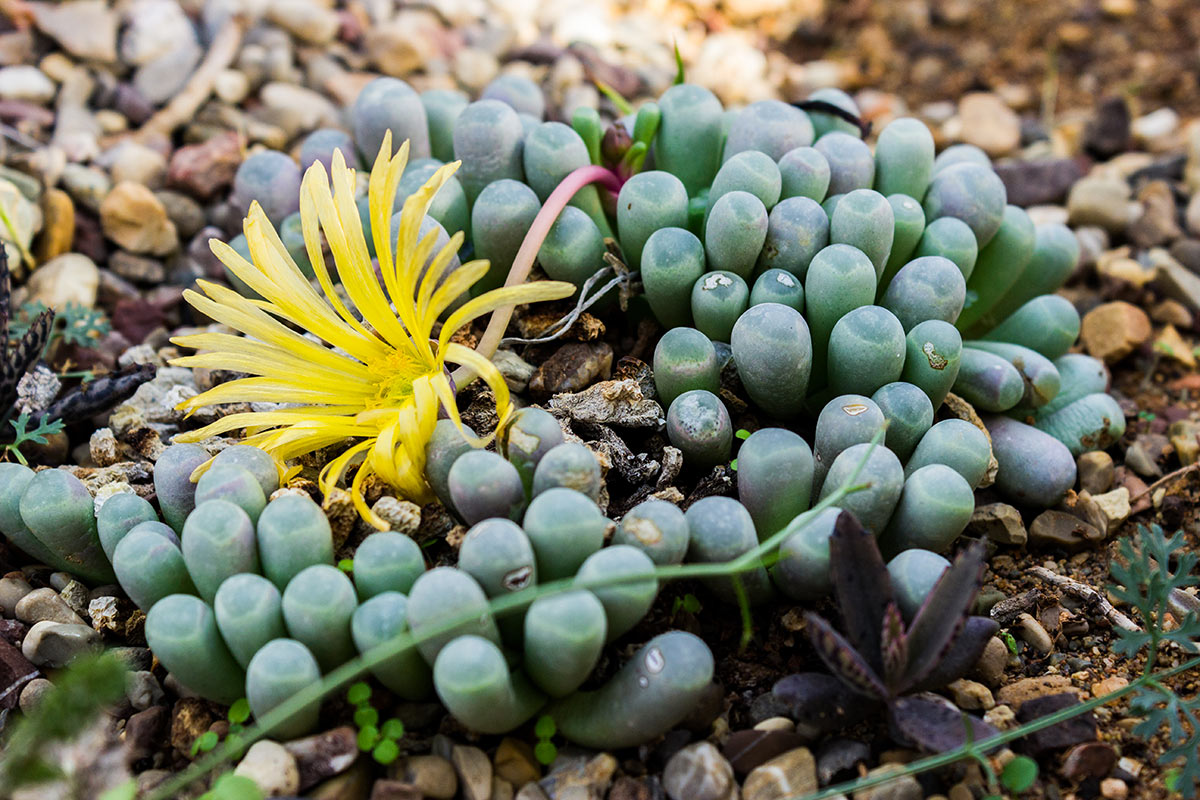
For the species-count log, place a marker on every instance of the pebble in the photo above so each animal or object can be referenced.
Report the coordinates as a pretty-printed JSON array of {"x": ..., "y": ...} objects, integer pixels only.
[
  {"x": 1039, "y": 181},
  {"x": 271, "y": 767},
  {"x": 988, "y": 123},
  {"x": 1107, "y": 133},
  {"x": 1175, "y": 280},
  {"x": 86, "y": 29},
  {"x": 1053, "y": 528},
  {"x": 55, "y": 644},
  {"x": 297, "y": 109},
  {"x": 384, "y": 789},
  {"x": 26, "y": 217},
  {"x": 33, "y": 692},
  {"x": 405, "y": 43},
  {"x": 433, "y": 776},
  {"x": 13, "y": 587},
  {"x": 792, "y": 774},
  {"x": 305, "y": 19},
  {"x": 1096, "y": 471},
  {"x": 838, "y": 757},
  {"x": 1156, "y": 225},
  {"x": 971, "y": 696},
  {"x": 1145, "y": 453},
  {"x": 1088, "y": 760},
  {"x": 1114, "y": 789},
  {"x": 1101, "y": 201},
  {"x": 1019, "y": 692},
  {"x": 1191, "y": 215},
  {"x": 515, "y": 762},
  {"x": 904, "y": 787},
  {"x": 58, "y": 225},
  {"x": 1155, "y": 130},
  {"x": 324, "y": 755},
  {"x": 27, "y": 83},
  {"x": 474, "y": 772},
  {"x": 1114, "y": 506},
  {"x": 138, "y": 164},
  {"x": 992, "y": 662},
  {"x": 137, "y": 268},
  {"x": 1034, "y": 634},
  {"x": 190, "y": 717},
  {"x": 45, "y": 605},
  {"x": 187, "y": 215},
  {"x": 776, "y": 724},
  {"x": 203, "y": 170},
  {"x": 1109, "y": 685},
  {"x": 746, "y": 750},
  {"x": 1072, "y": 731},
  {"x": 999, "y": 522},
  {"x": 698, "y": 772},
  {"x": 137, "y": 220},
  {"x": 580, "y": 777},
  {"x": 68, "y": 278},
  {"x": 1113, "y": 330},
  {"x": 87, "y": 186},
  {"x": 571, "y": 368},
  {"x": 145, "y": 730},
  {"x": 143, "y": 690}
]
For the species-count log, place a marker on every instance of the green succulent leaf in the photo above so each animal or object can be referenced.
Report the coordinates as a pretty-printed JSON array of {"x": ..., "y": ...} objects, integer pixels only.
[
  {"x": 239, "y": 712},
  {"x": 1019, "y": 774},
  {"x": 359, "y": 693}
]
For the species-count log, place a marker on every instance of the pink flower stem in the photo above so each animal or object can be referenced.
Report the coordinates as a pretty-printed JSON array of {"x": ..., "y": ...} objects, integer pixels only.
[{"x": 527, "y": 254}]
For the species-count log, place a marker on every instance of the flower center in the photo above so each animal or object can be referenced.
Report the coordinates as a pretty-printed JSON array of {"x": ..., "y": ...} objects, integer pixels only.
[{"x": 394, "y": 378}]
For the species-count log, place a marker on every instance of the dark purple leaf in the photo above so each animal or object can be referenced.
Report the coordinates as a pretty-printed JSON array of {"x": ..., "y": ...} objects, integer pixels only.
[
  {"x": 821, "y": 703},
  {"x": 943, "y": 614},
  {"x": 21, "y": 357},
  {"x": 934, "y": 725},
  {"x": 843, "y": 660},
  {"x": 861, "y": 584},
  {"x": 963, "y": 654},
  {"x": 894, "y": 646}
]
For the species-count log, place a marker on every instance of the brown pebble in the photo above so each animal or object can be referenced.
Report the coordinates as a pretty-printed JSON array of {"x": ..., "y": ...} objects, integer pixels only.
[{"x": 1113, "y": 330}]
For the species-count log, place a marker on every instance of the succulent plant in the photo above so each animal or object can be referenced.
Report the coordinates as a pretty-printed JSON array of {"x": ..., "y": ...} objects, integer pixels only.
[
  {"x": 699, "y": 425},
  {"x": 270, "y": 178},
  {"x": 684, "y": 359},
  {"x": 217, "y": 542},
  {"x": 377, "y": 621},
  {"x": 625, "y": 603},
  {"x": 57, "y": 510},
  {"x": 280, "y": 669},
  {"x": 249, "y": 614},
  {"x": 570, "y": 465},
  {"x": 721, "y": 529},
  {"x": 484, "y": 484},
  {"x": 318, "y": 604},
  {"x": 182, "y": 631},
  {"x": 293, "y": 534},
  {"x": 564, "y": 635},
  {"x": 774, "y": 478},
  {"x": 473, "y": 681},
  {"x": 386, "y": 561},
  {"x": 149, "y": 565},
  {"x": 657, "y": 528},
  {"x": 234, "y": 484},
  {"x": 443, "y": 594},
  {"x": 173, "y": 481},
  {"x": 531, "y": 434},
  {"x": 564, "y": 527},
  {"x": 119, "y": 515},
  {"x": 882, "y": 660}
]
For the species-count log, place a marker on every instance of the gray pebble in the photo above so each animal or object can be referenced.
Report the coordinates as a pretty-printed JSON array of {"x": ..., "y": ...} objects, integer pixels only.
[
  {"x": 45, "y": 605},
  {"x": 55, "y": 644}
]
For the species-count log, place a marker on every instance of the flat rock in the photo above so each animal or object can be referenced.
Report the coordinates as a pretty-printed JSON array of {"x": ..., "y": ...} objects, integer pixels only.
[
  {"x": 431, "y": 775},
  {"x": 324, "y": 755},
  {"x": 474, "y": 772},
  {"x": 1113, "y": 330},
  {"x": 1054, "y": 528},
  {"x": 698, "y": 772},
  {"x": 1096, "y": 471},
  {"x": 55, "y": 644},
  {"x": 790, "y": 774},
  {"x": 1102, "y": 201},
  {"x": 68, "y": 278},
  {"x": 988, "y": 123},
  {"x": 137, "y": 220},
  {"x": 85, "y": 28},
  {"x": 1019, "y": 692},
  {"x": 999, "y": 522},
  {"x": 46, "y": 604},
  {"x": 571, "y": 368},
  {"x": 1088, "y": 760},
  {"x": 1072, "y": 731},
  {"x": 271, "y": 767}
]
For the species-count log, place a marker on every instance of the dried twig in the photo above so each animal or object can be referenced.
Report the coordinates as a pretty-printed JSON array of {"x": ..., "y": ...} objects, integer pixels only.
[
  {"x": 1092, "y": 597},
  {"x": 1164, "y": 480},
  {"x": 184, "y": 105},
  {"x": 586, "y": 301}
]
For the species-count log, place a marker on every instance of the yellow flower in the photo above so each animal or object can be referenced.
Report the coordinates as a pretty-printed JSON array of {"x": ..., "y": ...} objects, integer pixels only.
[{"x": 378, "y": 375}]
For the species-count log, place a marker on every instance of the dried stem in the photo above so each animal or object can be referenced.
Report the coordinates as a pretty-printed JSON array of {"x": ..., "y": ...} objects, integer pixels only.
[
  {"x": 183, "y": 106},
  {"x": 1093, "y": 597},
  {"x": 532, "y": 243}
]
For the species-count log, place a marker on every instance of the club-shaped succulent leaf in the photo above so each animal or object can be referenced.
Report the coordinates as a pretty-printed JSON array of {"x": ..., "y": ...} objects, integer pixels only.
[
  {"x": 378, "y": 621},
  {"x": 657, "y": 528},
  {"x": 249, "y": 614},
  {"x": 387, "y": 561},
  {"x": 182, "y": 632}
]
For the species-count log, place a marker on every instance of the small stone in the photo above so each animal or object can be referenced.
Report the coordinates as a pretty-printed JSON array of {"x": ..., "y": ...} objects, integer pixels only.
[
  {"x": 747, "y": 750},
  {"x": 1075, "y": 730},
  {"x": 1034, "y": 634},
  {"x": 55, "y": 644},
  {"x": 1038, "y": 181},
  {"x": 69, "y": 278},
  {"x": 203, "y": 170},
  {"x": 137, "y": 268},
  {"x": 515, "y": 762},
  {"x": 271, "y": 767},
  {"x": 86, "y": 29},
  {"x": 571, "y": 368},
  {"x": 1114, "y": 789},
  {"x": 474, "y": 771},
  {"x": 1156, "y": 225},
  {"x": 25, "y": 217},
  {"x": 1113, "y": 330},
  {"x": 1144, "y": 455},
  {"x": 26, "y": 83},
  {"x": 1187, "y": 253},
  {"x": 992, "y": 662},
  {"x": 138, "y": 164},
  {"x": 1114, "y": 506},
  {"x": 76, "y": 595},
  {"x": 30, "y": 696},
  {"x": 190, "y": 717},
  {"x": 627, "y": 788},
  {"x": 1088, "y": 760},
  {"x": 137, "y": 220},
  {"x": 405, "y": 43},
  {"x": 12, "y": 588},
  {"x": 16, "y": 672},
  {"x": 306, "y": 20},
  {"x": 87, "y": 186},
  {"x": 988, "y": 123},
  {"x": 432, "y": 776},
  {"x": 58, "y": 226},
  {"x": 791, "y": 774},
  {"x": 1101, "y": 201},
  {"x": 145, "y": 731},
  {"x": 1059, "y": 529},
  {"x": 384, "y": 789},
  {"x": 698, "y": 772},
  {"x": 296, "y": 109},
  {"x": 516, "y": 370},
  {"x": 903, "y": 787},
  {"x": 1107, "y": 133},
  {"x": 1191, "y": 216},
  {"x": 1183, "y": 436},
  {"x": 1109, "y": 685},
  {"x": 1174, "y": 280},
  {"x": 971, "y": 696},
  {"x": 775, "y": 724},
  {"x": 580, "y": 778},
  {"x": 182, "y": 210},
  {"x": 999, "y": 522},
  {"x": 1019, "y": 692},
  {"x": 46, "y": 605},
  {"x": 1173, "y": 346},
  {"x": 1171, "y": 312},
  {"x": 324, "y": 755},
  {"x": 1096, "y": 471},
  {"x": 837, "y": 758}
]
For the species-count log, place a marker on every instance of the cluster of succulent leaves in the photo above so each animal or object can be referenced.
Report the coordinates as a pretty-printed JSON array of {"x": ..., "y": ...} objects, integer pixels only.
[
  {"x": 883, "y": 660},
  {"x": 379, "y": 740}
]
